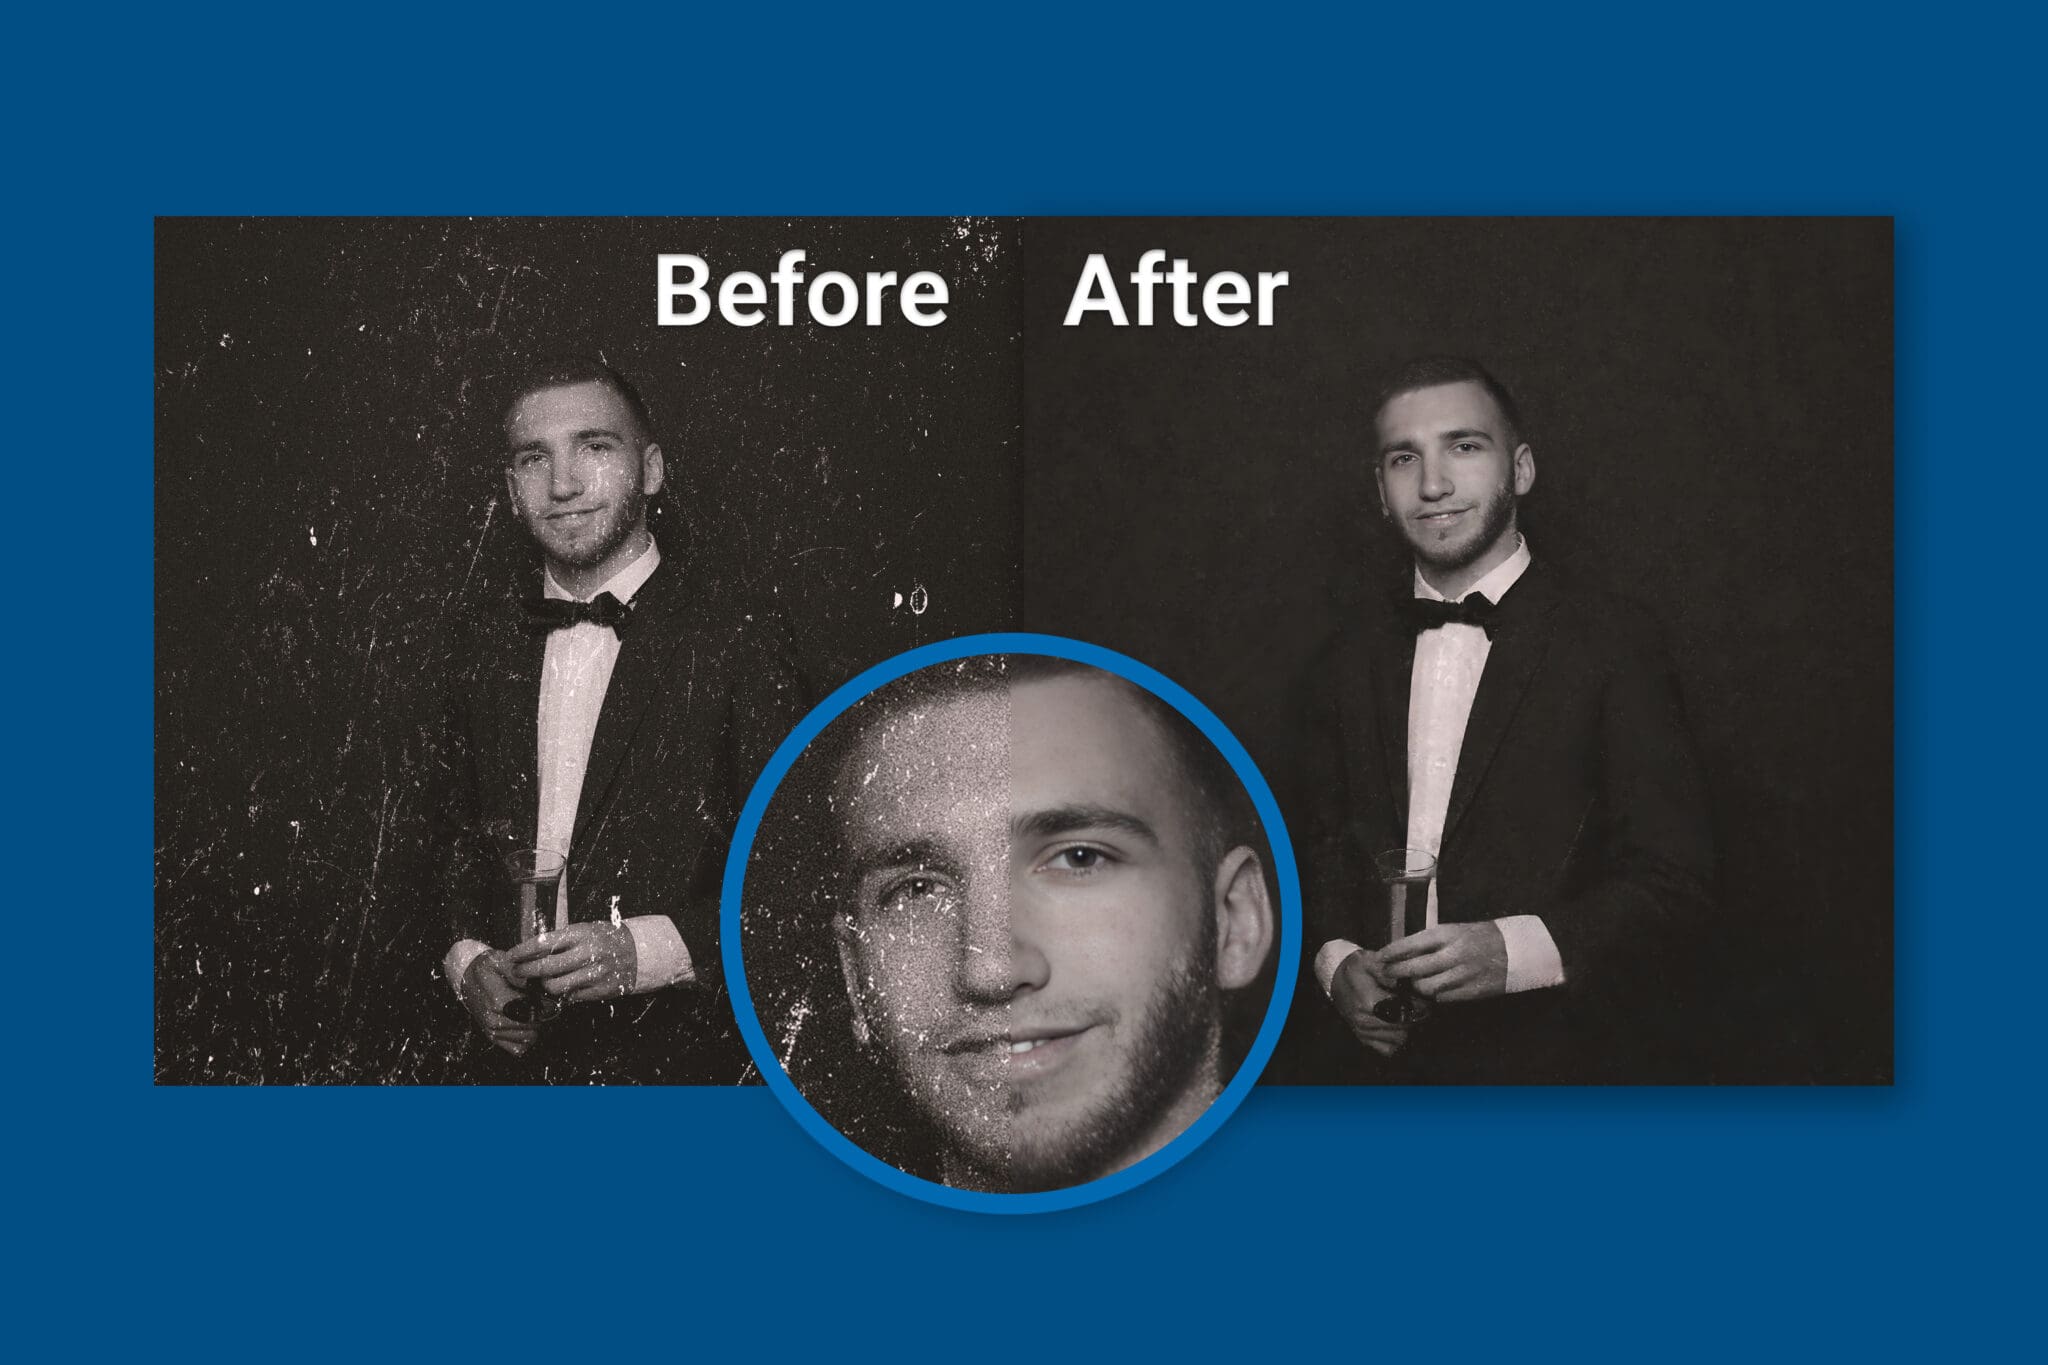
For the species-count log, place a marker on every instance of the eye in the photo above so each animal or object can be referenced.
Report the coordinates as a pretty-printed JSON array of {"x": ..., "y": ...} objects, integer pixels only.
[
  {"x": 1466, "y": 446},
  {"x": 1400, "y": 457},
  {"x": 527, "y": 459},
  {"x": 917, "y": 891},
  {"x": 1080, "y": 860},
  {"x": 599, "y": 447}
]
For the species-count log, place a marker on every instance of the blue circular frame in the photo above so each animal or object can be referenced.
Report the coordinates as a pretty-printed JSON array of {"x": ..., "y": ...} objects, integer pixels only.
[{"x": 966, "y": 646}]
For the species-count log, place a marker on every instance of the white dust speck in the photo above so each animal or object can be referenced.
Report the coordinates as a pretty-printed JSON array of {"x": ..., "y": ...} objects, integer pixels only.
[
  {"x": 313, "y": 536},
  {"x": 919, "y": 600},
  {"x": 897, "y": 602}
]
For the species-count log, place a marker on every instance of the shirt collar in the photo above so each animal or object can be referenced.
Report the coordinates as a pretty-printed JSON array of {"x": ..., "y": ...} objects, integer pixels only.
[
  {"x": 622, "y": 584},
  {"x": 1496, "y": 583}
]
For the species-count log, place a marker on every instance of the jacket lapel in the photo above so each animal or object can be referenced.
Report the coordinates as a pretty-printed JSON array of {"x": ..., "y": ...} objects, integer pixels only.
[
  {"x": 514, "y": 700},
  {"x": 1395, "y": 662},
  {"x": 1521, "y": 639},
  {"x": 638, "y": 676}
]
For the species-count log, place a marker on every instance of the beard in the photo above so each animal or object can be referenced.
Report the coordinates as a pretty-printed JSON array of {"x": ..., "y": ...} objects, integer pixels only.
[
  {"x": 998, "y": 1144},
  {"x": 594, "y": 546},
  {"x": 1494, "y": 517},
  {"x": 1172, "y": 1052}
]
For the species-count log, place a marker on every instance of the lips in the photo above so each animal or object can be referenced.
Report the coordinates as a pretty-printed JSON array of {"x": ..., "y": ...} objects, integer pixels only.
[
  {"x": 1016, "y": 1055},
  {"x": 1441, "y": 518},
  {"x": 572, "y": 515}
]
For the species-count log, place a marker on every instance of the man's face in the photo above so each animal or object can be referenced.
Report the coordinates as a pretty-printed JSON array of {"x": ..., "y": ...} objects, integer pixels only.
[
  {"x": 579, "y": 472},
  {"x": 1449, "y": 473},
  {"x": 1032, "y": 944}
]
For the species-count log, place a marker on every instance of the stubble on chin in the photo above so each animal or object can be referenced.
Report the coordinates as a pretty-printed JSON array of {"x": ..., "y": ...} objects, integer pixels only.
[
  {"x": 1172, "y": 1054},
  {"x": 1446, "y": 552}
]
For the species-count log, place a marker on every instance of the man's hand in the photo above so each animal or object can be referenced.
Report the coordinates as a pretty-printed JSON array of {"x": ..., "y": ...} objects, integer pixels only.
[
  {"x": 1452, "y": 961},
  {"x": 1354, "y": 990},
  {"x": 590, "y": 961},
  {"x": 486, "y": 986}
]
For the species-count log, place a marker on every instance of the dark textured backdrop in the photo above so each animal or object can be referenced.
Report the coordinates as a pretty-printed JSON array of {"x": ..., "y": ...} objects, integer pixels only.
[
  {"x": 328, "y": 488},
  {"x": 1710, "y": 402}
]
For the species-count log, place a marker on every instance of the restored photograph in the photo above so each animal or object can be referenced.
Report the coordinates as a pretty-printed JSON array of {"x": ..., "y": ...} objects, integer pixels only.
[
  {"x": 1544, "y": 566},
  {"x": 1010, "y": 923}
]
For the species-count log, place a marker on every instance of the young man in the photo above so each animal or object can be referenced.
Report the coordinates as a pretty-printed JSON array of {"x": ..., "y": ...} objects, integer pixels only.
[
  {"x": 1050, "y": 893},
  {"x": 1527, "y": 735},
  {"x": 616, "y": 714}
]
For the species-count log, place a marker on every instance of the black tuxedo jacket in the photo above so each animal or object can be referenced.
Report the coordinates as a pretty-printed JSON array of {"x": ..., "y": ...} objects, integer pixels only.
[
  {"x": 1577, "y": 798},
  {"x": 702, "y": 693}
]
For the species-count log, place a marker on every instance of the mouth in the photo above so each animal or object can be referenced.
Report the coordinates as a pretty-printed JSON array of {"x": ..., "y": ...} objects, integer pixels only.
[
  {"x": 1441, "y": 518},
  {"x": 574, "y": 516},
  {"x": 1018, "y": 1055}
]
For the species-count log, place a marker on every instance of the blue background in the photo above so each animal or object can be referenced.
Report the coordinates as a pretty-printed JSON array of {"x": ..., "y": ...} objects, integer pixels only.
[{"x": 1416, "y": 1226}]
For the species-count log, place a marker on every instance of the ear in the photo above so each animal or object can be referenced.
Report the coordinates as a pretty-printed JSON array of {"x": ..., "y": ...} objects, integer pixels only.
[
  {"x": 653, "y": 473},
  {"x": 1244, "y": 919},
  {"x": 1379, "y": 479},
  {"x": 842, "y": 934},
  {"x": 512, "y": 488},
  {"x": 1525, "y": 469}
]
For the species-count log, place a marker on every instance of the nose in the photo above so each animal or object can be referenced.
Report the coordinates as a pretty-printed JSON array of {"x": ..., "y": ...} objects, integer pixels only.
[
  {"x": 999, "y": 956},
  {"x": 565, "y": 478},
  {"x": 1436, "y": 478}
]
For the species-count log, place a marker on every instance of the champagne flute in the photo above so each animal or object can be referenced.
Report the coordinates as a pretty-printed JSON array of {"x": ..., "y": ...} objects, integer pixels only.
[
  {"x": 1404, "y": 878},
  {"x": 533, "y": 880}
]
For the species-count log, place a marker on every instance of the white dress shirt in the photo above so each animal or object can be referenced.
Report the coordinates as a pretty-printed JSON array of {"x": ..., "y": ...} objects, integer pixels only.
[
  {"x": 575, "y": 674},
  {"x": 1449, "y": 661}
]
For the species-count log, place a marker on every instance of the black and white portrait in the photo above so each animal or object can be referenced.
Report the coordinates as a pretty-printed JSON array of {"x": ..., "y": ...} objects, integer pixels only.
[{"x": 1011, "y": 922}]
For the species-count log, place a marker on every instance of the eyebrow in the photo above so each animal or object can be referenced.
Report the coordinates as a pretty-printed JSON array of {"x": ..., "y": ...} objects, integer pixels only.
[
  {"x": 1058, "y": 820},
  {"x": 587, "y": 434},
  {"x": 1400, "y": 443}
]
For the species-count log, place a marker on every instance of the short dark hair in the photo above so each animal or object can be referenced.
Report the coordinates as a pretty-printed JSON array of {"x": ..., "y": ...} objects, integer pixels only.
[
  {"x": 1430, "y": 371},
  {"x": 554, "y": 372},
  {"x": 1224, "y": 814}
]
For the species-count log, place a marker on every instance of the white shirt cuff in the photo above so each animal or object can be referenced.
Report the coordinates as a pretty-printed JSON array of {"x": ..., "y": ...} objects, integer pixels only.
[
  {"x": 660, "y": 958},
  {"x": 1533, "y": 961},
  {"x": 1330, "y": 957},
  {"x": 455, "y": 966}
]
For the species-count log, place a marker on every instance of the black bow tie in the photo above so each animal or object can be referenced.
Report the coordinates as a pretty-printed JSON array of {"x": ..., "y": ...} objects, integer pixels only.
[
  {"x": 544, "y": 614},
  {"x": 1426, "y": 613}
]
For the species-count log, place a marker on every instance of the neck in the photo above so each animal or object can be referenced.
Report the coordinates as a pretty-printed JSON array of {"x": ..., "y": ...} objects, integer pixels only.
[
  {"x": 582, "y": 581},
  {"x": 1455, "y": 583}
]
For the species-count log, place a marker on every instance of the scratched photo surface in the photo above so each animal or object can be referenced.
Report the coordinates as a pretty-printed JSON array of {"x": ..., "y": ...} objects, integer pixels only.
[
  {"x": 330, "y": 496},
  {"x": 1008, "y": 924}
]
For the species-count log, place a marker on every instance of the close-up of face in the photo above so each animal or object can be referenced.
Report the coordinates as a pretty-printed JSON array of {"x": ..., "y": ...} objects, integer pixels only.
[
  {"x": 1450, "y": 468},
  {"x": 1038, "y": 940},
  {"x": 579, "y": 470}
]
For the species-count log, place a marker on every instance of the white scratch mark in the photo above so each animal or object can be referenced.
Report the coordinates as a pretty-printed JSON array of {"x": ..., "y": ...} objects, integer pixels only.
[
  {"x": 797, "y": 1015},
  {"x": 488, "y": 511}
]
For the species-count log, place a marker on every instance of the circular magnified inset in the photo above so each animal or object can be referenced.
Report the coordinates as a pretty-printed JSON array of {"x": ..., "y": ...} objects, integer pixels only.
[{"x": 1017, "y": 921}]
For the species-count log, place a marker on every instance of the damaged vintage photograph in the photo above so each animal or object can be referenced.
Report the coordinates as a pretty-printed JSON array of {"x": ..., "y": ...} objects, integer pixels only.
[{"x": 1009, "y": 923}]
